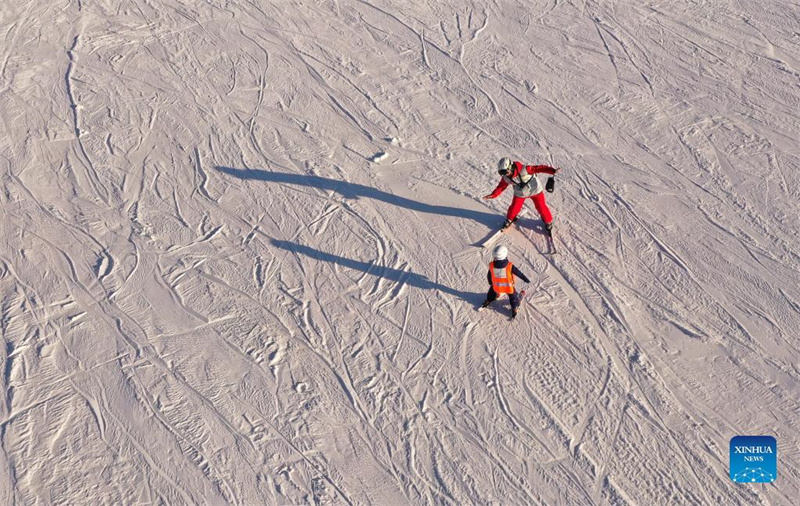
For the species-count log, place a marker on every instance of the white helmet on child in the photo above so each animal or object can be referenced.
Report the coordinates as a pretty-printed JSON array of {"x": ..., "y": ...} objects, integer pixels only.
[{"x": 500, "y": 252}]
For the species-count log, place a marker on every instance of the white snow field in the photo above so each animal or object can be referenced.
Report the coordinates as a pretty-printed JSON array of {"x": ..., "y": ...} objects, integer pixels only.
[{"x": 239, "y": 261}]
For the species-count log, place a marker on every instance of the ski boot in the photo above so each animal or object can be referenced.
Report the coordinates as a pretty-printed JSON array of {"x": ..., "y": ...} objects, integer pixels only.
[{"x": 508, "y": 223}]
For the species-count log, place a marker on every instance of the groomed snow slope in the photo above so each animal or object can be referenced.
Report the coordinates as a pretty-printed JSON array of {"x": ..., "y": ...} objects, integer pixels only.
[{"x": 211, "y": 294}]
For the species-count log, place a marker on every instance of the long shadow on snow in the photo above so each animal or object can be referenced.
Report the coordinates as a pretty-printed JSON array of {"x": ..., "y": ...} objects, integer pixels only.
[
  {"x": 354, "y": 191},
  {"x": 397, "y": 275}
]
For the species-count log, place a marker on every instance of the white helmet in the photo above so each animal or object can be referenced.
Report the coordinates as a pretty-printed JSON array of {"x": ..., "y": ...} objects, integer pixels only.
[
  {"x": 504, "y": 165},
  {"x": 500, "y": 252}
]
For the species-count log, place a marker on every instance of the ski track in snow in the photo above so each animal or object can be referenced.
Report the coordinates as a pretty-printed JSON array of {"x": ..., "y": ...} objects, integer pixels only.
[{"x": 211, "y": 294}]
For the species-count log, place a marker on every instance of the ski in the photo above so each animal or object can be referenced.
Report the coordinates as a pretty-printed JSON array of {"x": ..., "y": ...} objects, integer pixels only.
[
  {"x": 550, "y": 243},
  {"x": 513, "y": 315},
  {"x": 492, "y": 238}
]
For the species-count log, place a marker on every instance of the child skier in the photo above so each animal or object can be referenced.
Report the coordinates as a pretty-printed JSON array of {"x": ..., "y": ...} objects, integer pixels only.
[
  {"x": 501, "y": 278},
  {"x": 526, "y": 185}
]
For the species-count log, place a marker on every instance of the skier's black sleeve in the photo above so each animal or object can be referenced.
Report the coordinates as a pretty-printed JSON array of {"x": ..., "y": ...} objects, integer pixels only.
[
  {"x": 489, "y": 277},
  {"x": 518, "y": 273}
]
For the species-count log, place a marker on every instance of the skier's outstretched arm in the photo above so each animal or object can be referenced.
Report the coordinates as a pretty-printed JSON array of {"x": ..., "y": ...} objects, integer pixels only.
[
  {"x": 497, "y": 191},
  {"x": 518, "y": 273},
  {"x": 543, "y": 169}
]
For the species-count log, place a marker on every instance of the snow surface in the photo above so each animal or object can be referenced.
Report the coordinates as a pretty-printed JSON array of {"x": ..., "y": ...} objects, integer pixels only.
[{"x": 211, "y": 294}]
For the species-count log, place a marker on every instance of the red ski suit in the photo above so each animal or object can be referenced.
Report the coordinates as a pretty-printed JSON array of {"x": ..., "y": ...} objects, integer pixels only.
[{"x": 532, "y": 189}]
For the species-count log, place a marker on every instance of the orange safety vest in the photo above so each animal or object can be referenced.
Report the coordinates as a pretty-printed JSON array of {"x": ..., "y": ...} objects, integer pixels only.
[{"x": 502, "y": 279}]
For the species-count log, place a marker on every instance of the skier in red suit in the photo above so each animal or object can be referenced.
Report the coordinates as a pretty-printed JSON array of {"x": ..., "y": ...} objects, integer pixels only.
[{"x": 526, "y": 186}]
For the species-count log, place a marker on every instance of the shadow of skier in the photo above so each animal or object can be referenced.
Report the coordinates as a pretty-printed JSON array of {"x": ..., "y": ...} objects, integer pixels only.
[
  {"x": 354, "y": 191},
  {"x": 397, "y": 275}
]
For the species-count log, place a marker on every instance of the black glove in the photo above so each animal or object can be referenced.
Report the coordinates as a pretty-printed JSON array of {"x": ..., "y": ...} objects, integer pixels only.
[{"x": 550, "y": 185}]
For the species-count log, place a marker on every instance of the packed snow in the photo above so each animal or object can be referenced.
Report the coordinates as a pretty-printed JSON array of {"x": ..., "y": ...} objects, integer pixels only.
[{"x": 240, "y": 251}]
